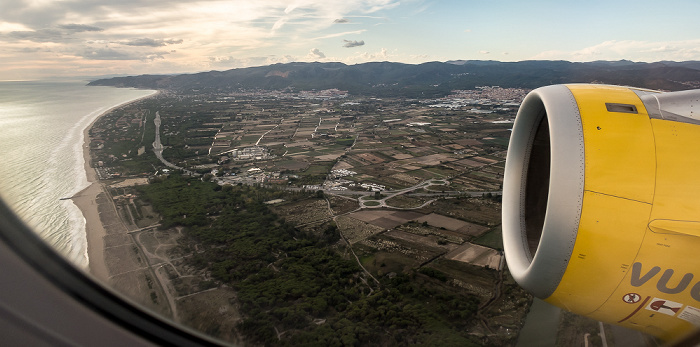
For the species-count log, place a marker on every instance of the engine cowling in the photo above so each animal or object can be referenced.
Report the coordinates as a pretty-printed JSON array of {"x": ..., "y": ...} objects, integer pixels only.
[{"x": 601, "y": 204}]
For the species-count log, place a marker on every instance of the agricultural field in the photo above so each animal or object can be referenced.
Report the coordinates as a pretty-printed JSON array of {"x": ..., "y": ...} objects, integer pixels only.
[{"x": 390, "y": 191}]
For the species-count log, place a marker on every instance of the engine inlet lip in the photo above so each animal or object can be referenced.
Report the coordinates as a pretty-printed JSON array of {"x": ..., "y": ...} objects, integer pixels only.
[{"x": 541, "y": 272}]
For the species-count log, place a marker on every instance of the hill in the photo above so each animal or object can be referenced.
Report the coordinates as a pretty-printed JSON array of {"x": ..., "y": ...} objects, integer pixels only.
[{"x": 427, "y": 79}]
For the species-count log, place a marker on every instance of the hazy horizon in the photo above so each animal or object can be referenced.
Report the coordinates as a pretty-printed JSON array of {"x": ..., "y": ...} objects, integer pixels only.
[
  {"x": 88, "y": 78},
  {"x": 99, "y": 38}
]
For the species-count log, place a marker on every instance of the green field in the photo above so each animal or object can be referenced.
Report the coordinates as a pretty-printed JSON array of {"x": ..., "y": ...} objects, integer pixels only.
[
  {"x": 321, "y": 168},
  {"x": 492, "y": 238}
]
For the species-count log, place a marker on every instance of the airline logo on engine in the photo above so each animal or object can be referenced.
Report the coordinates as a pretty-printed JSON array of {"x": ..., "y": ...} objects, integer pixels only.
[{"x": 639, "y": 278}]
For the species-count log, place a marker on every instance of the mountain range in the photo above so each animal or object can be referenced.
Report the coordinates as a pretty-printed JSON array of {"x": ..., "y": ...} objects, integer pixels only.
[{"x": 427, "y": 79}]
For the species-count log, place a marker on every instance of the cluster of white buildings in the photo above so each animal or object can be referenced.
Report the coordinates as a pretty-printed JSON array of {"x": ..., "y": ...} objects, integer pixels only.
[
  {"x": 323, "y": 94},
  {"x": 373, "y": 187},
  {"x": 507, "y": 98},
  {"x": 249, "y": 153},
  {"x": 417, "y": 124},
  {"x": 342, "y": 173}
]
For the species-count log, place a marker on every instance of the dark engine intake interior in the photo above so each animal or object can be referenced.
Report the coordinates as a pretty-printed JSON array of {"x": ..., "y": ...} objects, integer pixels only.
[{"x": 537, "y": 185}]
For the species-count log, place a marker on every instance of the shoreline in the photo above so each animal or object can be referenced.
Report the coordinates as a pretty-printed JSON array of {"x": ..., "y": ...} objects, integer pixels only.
[{"x": 86, "y": 201}]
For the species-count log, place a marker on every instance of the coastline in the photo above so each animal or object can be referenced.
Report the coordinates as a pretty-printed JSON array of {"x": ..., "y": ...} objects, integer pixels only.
[{"x": 86, "y": 201}]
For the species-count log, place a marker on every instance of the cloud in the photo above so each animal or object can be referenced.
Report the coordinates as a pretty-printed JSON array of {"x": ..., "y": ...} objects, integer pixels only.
[
  {"x": 316, "y": 53},
  {"x": 350, "y": 44},
  {"x": 383, "y": 5},
  {"x": 290, "y": 8},
  {"x": 154, "y": 56},
  {"x": 630, "y": 50},
  {"x": 419, "y": 57},
  {"x": 354, "y": 32},
  {"x": 147, "y": 42},
  {"x": 7, "y": 27},
  {"x": 43, "y": 35},
  {"x": 79, "y": 27},
  {"x": 382, "y": 55},
  {"x": 125, "y": 35},
  {"x": 230, "y": 62},
  {"x": 279, "y": 24},
  {"x": 31, "y": 49},
  {"x": 106, "y": 54},
  {"x": 484, "y": 52},
  {"x": 60, "y": 35}
]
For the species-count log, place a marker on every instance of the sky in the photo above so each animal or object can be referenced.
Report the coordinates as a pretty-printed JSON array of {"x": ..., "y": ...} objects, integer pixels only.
[{"x": 42, "y": 39}]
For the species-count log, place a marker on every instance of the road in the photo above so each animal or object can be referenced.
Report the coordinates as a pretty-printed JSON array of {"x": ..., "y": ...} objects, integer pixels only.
[
  {"x": 158, "y": 149},
  {"x": 387, "y": 194},
  {"x": 267, "y": 132}
]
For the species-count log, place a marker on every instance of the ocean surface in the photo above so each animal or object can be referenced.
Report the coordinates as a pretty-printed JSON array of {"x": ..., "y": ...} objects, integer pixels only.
[{"x": 41, "y": 143}]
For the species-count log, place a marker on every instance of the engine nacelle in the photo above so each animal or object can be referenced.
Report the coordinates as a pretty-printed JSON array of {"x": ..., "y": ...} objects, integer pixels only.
[{"x": 601, "y": 204}]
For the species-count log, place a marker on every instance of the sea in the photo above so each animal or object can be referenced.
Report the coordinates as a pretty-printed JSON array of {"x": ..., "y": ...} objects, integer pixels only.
[{"x": 41, "y": 146}]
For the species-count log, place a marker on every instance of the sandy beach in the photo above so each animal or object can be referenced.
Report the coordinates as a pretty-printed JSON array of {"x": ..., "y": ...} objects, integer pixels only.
[{"x": 86, "y": 201}]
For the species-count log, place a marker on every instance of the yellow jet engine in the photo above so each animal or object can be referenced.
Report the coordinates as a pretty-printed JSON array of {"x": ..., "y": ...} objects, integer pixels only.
[{"x": 601, "y": 204}]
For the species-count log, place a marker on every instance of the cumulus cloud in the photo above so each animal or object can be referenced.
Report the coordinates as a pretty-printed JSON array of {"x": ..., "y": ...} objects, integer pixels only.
[
  {"x": 350, "y": 44},
  {"x": 382, "y": 55},
  {"x": 147, "y": 42},
  {"x": 316, "y": 53},
  {"x": 79, "y": 27},
  {"x": 341, "y": 20}
]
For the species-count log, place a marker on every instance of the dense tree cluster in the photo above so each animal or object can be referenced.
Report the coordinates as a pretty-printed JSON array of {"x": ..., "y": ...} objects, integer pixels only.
[{"x": 293, "y": 287}]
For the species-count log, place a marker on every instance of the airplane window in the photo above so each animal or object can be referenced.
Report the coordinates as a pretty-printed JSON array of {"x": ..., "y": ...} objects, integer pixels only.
[{"x": 299, "y": 172}]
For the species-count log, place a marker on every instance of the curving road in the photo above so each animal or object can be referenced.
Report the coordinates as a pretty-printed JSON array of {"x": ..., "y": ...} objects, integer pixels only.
[
  {"x": 158, "y": 149},
  {"x": 425, "y": 184}
]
